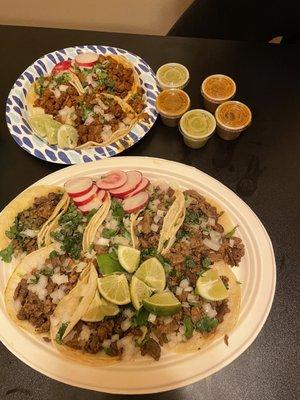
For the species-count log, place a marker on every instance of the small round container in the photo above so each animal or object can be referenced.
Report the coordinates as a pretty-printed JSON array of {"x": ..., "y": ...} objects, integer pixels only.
[
  {"x": 216, "y": 89},
  {"x": 172, "y": 76},
  {"x": 172, "y": 104},
  {"x": 196, "y": 127},
  {"x": 232, "y": 118}
]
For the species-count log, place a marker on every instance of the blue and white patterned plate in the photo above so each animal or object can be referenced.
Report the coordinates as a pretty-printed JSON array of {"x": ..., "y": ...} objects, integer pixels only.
[{"x": 16, "y": 109}]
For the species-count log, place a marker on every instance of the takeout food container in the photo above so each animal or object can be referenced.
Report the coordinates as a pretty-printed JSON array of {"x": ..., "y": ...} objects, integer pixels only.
[
  {"x": 232, "y": 117},
  {"x": 172, "y": 76},
  {"x": 216, "y": 89},
  {"x": 196, "y": 127},
  {"x": 171, "y": 105}
]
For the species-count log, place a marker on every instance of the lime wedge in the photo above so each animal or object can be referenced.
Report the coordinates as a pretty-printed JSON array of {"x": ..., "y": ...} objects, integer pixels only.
[
  {"x": 99, "y": 308},
  {"x": 129, "y": 258},
  {"x": 165, "y": 303},
  {"x": 211, "y": 287},
  {"x": 139, "y": 291},
  {"x": 45, "y": 127},
  {"x": 67, "y": 137},
  {"x": 114, "y": 288},
  {"x": 152, "y": 273},
  {"x": 108, "y": 265}
]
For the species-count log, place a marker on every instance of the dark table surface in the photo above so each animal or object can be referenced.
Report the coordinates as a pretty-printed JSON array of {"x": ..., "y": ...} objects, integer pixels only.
[{"x": 262, "y": 167}]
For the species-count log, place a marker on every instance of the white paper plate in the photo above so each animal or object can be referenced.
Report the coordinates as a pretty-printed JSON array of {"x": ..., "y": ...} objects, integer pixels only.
[{"x": 257, "y": 272}]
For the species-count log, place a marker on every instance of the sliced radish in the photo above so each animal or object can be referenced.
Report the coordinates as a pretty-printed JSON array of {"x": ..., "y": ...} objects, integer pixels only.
[
  {"x": 134, "y": 178},
  {"x": 101, "y": 195},
  {"x": 78, "y": 186},
  {"x": 86, "y": 59},
  {"x": 95, "y": 203},
  {"x": 112, "y": 180},
  {"x": 62, "y": 66},
  {"x": 141, "y": 186},
  {"x": 85, "y": 198},
  {"x": 136, "y": 202}
]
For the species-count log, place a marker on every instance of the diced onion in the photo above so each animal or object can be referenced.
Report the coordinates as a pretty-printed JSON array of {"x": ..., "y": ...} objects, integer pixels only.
[
  {"x": 115, "y": 338},
  {"x": 126, "y": 324},
  {"x": 85, "y": 333},
  {"x": 185, "y": 304},
  {"x": 59, "y": 279},
  {"x": 156, "y": 219},
  {"x": 106, "y": 343},
  {"x": 191, "y": 298},
  {"x": 57, "y": 93},
  {"x": 188, "y": 289},
  {"x": 231, "y": 242},
  {"x": 63, "y": 88},
  {"x": 128, "y": 313},
  {"x": 160, "y": 213},
  {"x": 29, "y": 233},
  {"x": 80, "y": 266},
  {"x": 152, "y": 318},
  {"x": 154, "y": 227},
  {"x": 167, "y": 320},
  {"x": 57, "y": 295},
  {"x": 179, "y": 291},
  {"x": 211, "y": 221},
  {"x": 103, "y": 241},
  {"x": 215, "y": 236},
  {"x": 39, "y": 288},
  {"x": 212, "y": 245},
  {"x": 184, "y": 283},
  {"x": 89, "y": 120},
  {"x": 121, "y": 240},
  {"x": 209, "y": 311}
]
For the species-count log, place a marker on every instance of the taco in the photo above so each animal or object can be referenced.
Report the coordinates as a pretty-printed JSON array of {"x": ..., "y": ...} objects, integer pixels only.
[
  {"x": 153, "y": 226},
  {"x": 85, "y": 106},
  {"x": 24, "y": 220},
  {"x": 38, "y": 284},
  {"x": 68, "y": 229}
]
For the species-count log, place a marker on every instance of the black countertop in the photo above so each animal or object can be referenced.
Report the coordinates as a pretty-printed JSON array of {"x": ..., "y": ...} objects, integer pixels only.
[{"x": 261, "y": 167}]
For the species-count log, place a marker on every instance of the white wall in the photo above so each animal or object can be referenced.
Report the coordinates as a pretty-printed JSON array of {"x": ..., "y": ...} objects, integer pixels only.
[{"x": 134, "y": 16}]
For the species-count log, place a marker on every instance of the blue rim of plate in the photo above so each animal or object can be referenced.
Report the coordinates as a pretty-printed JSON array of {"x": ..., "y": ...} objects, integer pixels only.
[{"x": 16, "y": 109}]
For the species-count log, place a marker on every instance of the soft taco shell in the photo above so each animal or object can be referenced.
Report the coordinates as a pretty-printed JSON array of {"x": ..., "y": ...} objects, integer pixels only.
[
  {"x": 118, "y": 134},
  {"x": 22, "y": 202},
  {"x": 70, "y": 309},
  {"x": 199, "y": 341}
]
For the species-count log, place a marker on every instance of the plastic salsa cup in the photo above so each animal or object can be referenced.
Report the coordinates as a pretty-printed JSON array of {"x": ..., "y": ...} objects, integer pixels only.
[
  {"x": 232, "y": 117},
  {"x": 172, "y": 104},
  {"x": 172, "y": 76},
  {"x": 216, "y": 89},
  {"x": 196, "y": 127}
]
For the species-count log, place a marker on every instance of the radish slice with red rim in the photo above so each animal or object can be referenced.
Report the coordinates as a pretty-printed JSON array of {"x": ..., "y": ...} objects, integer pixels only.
[
  {"x": 136, "y": 202},
  {"x": 94, "y": 204},
  {"x": 85, "y": 198},
  {"x": 101, "y": 195},
  {"x": 141, "y": 186},
  {"x": 62, "y": 66},
  {"x": 134, "y": 178},
  {"x": 112, "y": 180},
  {"x": 86, "y": 59},
  {"x": 78, "y": 186}
]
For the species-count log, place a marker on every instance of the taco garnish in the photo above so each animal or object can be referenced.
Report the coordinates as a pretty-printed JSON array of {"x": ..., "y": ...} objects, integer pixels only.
[{"x": 23, "y": 222}]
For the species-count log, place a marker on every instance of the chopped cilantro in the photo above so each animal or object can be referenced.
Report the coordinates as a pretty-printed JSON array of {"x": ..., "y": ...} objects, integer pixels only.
[
  {"x": 39, "y": 86},
  {"x": 117, "y": 210},
  {"x": 238, "y": 282},
  {"x": 62, "y": 78},
  {"x": 6, "y": 254},
  {"x": 91, "y": 214},
  {"x": 231, "y": 233},
  {"x": 60, "y": 332},
  {"x": 192, "y": 217},
  {"x": 188, "y": 327},
  {"x": 53, "y": 254},
  {"x": 108, "y": 233},
  {"x": 206, "y": 263},
  {"x": 13, "y": 231},
  {"x": 181, "y": 233},
  {"x": 189, "y": 262},
  {"x": 34, "y": 280},
  {"x": 152, "y": 252},
  {"x": 141, "y": 317},
  {"x": 206, "y": 324},
  {"x": 85, "y": 111},
  {"x": 47, "y": 271}
]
